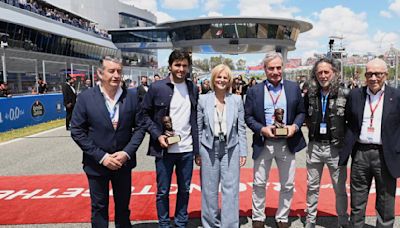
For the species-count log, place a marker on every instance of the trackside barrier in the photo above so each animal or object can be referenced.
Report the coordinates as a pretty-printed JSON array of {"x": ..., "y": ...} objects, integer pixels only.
[{"x": 22, "y": 111}]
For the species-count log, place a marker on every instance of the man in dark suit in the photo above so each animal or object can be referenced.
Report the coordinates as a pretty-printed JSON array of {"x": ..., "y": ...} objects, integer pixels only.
[
  {"x": 261, "y": 102},
  {"x": 176, "y": 97},
  {"x": 142, "y": 89},
  {"x": 372, "y": 139},
  {"x": 101, "y": 125},
  {"x": 69, "y": 94}
]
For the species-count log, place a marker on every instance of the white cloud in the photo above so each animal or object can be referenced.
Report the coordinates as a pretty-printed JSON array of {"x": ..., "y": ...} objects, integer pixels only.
[
  {"x": 395, "y": 7},
  {"x": 214, "y": 14},
  {"x": 163, "y": 17},
  {"x": 341, "y": 21},
  {"x": 180, "y": 5},
  {"x": 386, "y": 14},
  {"x": 213, "y": 5},
  {"x": 273, "y": 8},
  {"x": 385, "y": 40},
  {"x": 150, "y": 5}
]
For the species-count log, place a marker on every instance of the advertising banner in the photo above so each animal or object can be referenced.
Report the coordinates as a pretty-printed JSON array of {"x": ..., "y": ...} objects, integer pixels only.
[{"x": 22, "y": 111}]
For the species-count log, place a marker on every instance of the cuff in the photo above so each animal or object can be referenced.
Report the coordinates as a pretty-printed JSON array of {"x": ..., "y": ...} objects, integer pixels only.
[
  {"x": 129, "y": 157},
  {"x": 103, "y": 158}
]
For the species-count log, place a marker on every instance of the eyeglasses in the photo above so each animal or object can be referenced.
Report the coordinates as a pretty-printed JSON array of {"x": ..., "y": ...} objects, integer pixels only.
[{"x": 377, "y": 74}]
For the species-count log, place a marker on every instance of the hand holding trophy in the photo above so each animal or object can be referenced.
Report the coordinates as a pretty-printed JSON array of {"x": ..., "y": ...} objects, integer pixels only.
[
  {"x": 169, "y": 132},
  {"x": 280, "y": 129}
]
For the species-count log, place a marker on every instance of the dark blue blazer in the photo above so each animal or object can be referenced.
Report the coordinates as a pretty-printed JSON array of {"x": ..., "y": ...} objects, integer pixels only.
[
  {"x": 255, "y": 117},
  {"x": 156, "y": 104},
  {"x": 92, "y": 130},
  {"x": 390, "y": 128}
]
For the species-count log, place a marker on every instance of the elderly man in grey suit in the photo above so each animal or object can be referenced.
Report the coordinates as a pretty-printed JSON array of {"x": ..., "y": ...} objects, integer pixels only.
[{"x": 223, "y": 150}]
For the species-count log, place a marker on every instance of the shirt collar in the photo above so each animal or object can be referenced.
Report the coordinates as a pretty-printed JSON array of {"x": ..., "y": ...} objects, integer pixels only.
[
  {"x": 116, "y": 97},
  {"x": 369, "y": 92},
  {"x": 270, "y": 86}
]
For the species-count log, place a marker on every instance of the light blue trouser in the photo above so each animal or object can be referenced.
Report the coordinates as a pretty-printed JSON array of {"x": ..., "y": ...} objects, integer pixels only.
[{"x": 219, "y": 166}]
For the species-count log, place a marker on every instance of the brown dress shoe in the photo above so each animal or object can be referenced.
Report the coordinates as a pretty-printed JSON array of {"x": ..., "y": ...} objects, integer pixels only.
[
  {"x": 282, "y": 224},
  {"x": 258, "y": 224}
]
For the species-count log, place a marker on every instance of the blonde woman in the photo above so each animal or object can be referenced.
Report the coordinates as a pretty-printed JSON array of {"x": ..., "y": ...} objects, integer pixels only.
[{"x": 223, "y": 150}]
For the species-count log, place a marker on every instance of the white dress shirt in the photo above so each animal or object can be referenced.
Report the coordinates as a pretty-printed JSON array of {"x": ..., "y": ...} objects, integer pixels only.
[{"x": 368, "y": 136}]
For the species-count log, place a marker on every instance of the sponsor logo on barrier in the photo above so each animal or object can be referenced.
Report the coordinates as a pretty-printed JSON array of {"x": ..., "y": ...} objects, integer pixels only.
[
  {"x": 37, "y": 109},
  {"x": 12, "y": 114},
  {"x": 58, "y": 106}
]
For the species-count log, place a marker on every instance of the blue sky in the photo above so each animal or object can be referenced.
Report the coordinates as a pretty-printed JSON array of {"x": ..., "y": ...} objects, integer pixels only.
[{"x": 366, "y": 25}]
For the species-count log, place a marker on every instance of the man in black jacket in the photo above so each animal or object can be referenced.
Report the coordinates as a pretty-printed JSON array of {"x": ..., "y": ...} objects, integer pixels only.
[
  {"x": 69, "y": 94},
  {"x": 372, "y": 139},
  {"x": 101, "y": 125},
  {"x": 176, "y": 97}
]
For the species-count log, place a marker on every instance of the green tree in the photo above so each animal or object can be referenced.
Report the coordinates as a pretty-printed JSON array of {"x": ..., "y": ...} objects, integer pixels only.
[
  {"x": 215, "y": 60},
  {"x": 229, "y": 62},
  {"x": 201, "y": 64},
  {"x": 241, "y": 64}
]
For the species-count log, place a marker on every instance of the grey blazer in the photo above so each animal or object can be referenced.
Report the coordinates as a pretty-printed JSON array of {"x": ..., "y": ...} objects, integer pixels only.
[{"x": 236, "y": 128}]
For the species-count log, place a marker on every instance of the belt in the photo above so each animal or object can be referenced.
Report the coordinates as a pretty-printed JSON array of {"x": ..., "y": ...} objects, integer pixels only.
[
  {"x": 322, "y": 141},
  {"x": 368, "y": 146}
]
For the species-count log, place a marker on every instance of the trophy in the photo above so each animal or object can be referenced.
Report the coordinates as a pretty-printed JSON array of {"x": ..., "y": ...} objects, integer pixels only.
[
  {"x": 169, "y": 132},
  {"x": 280, "y": 129}
]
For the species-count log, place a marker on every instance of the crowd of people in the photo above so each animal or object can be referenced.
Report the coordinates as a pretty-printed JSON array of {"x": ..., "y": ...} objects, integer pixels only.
[
  {"x": 187, "y": 127},
  {"x": 44, "y": 9},
  {"x": 238, "y": 85}
]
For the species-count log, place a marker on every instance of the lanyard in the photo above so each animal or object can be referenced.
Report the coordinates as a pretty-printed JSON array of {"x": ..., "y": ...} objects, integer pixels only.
[
  {"x": 274, "y": 102},
  {"x": 324, "y": 101},
  {"x": 112, "y": 111},
  {"x": 374, "y": 108},
  {"x": 220, "y": 118}
]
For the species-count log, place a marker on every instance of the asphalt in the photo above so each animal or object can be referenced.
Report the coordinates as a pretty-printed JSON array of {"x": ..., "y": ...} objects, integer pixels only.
[{"x": 54, "y": 152}]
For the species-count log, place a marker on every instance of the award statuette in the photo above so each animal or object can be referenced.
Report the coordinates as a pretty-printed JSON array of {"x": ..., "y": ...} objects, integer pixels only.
[
  {"x": 169, "y": 132},
  {"x": 280, "y": 129}
]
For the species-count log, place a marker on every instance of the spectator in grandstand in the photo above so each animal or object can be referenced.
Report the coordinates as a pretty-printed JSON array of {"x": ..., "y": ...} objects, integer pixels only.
[
  {"x": 355, "y": 81},
  {"x": 261, "y": 102},
  {"x": 132, "y": 84},
  {"x": 42, "y": 86},
  {"x": 196, "y": 82},
  {"x": 87, "y": 85},
  {"x": 102, "y": 125},
  {"x": 205, "y": 86},
  {"x": 303, "y": 84},
  {"x": 69, "y": 95},
  {"x": 237, "y": 87},
  {"x": 157, "y": 77},
  {"x": 372, "y": 139},
  {"x": 220, "y": 115},
  {"x": 4, "y": 91},
  {"x": 242, "y": 84},
  {"x": 142, "y": 89},
  {"x": 251, "y": 83},
  {"x": 176, "y": 97},
  {"x": 326, "y": 127}
]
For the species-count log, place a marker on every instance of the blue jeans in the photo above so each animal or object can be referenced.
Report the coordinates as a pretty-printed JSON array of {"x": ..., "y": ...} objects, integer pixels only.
[{"x": 183, "y": 163}]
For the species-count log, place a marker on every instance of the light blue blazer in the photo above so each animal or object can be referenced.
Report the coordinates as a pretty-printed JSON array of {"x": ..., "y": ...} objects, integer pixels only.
[{"x": 236, "y": 128}]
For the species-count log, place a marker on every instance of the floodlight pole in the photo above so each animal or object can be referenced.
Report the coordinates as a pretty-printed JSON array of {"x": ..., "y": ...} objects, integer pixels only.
[
  {"x": 3, "y": 61},
  {"x": 397, "y": 71}
]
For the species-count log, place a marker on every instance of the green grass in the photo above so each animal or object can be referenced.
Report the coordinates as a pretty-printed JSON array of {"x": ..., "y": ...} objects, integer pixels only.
[{"x": 30, "y": 130}]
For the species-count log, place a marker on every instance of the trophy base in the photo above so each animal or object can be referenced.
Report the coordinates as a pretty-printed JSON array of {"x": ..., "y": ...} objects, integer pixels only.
[
  {"x": 173, "y": 139},
  {"x": 281, "y": 132}
]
